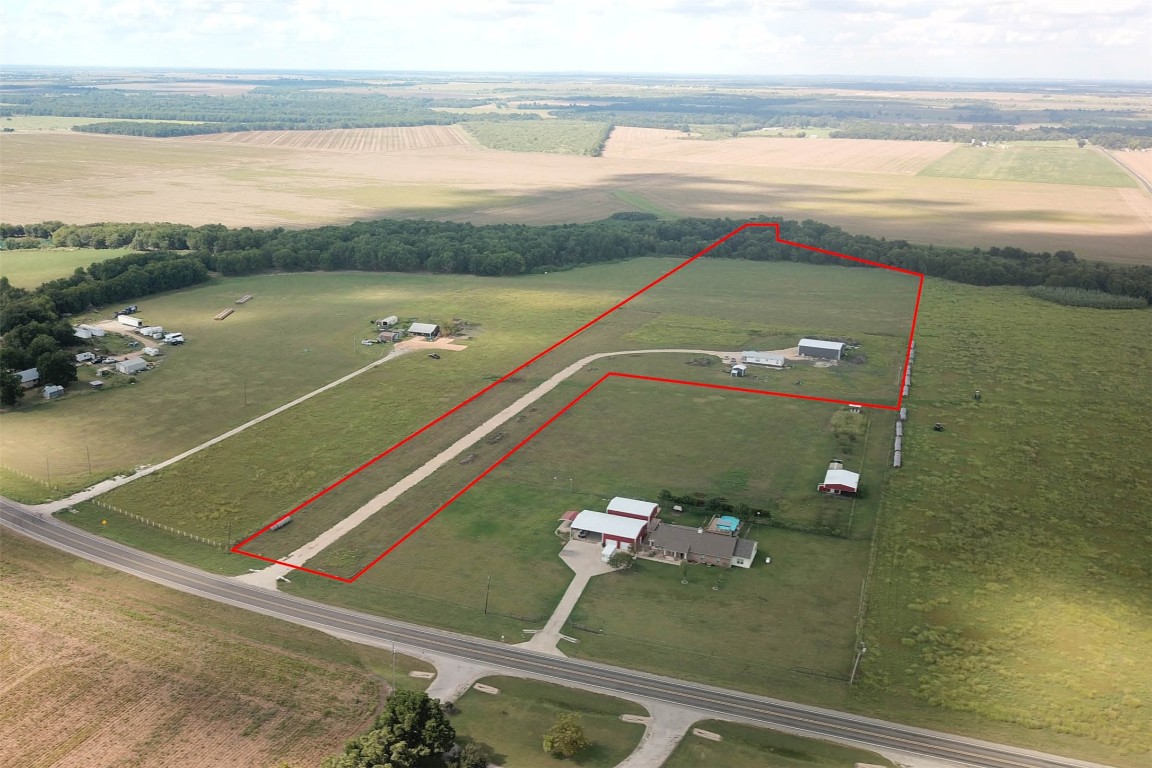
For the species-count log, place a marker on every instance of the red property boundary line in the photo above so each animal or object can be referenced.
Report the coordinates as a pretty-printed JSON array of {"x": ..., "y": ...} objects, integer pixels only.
[{"x": 238, "y": 549}]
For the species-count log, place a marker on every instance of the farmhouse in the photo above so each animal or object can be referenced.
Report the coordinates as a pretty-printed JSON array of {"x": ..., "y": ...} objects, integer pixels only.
[
  {"x": 634, "y": 508},
  {"x": 624, "y": 532},
  {"x": 838, "y": 480},
  {"x": 132, "y": 365},
  {"x": 762, "y": 358},
  {"x": 53, "y": 391},
  {"x": 826, "y": 350},
  {"x": 29, "y": 377},
  {"x": 427, "y": 330},
  {"x": 696, "y": 545}
]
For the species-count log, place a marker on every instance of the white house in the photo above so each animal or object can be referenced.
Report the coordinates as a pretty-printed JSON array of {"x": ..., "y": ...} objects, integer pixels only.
[
  {"x": 132, "y": 365},
  {"x": 827, "y": 350},
  {"x": 762, "y": 358},
  {"x": 624, "y": 532}
]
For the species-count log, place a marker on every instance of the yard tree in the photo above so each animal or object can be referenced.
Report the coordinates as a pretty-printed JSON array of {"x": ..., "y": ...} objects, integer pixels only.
[
  {"x": 41, "y": 345},
  {"x": 411, "y": 732},
  {"x": 10, "y": 389},
  {"x": 566, "y": 738},
  {"x": 56, "y": 368},
  {"x": 621, "y": 560},
  {"x": 472, "y": 755}
]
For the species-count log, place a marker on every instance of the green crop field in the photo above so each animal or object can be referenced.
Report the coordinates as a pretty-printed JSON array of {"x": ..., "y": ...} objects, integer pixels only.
[
  {"x": 514, "y": 721},
  {"x": 742, "y": 746},
  {"x": 30, "y": 268},
  {"x": 1032, "y": 162},
  {"x": 564, "y": 137}
]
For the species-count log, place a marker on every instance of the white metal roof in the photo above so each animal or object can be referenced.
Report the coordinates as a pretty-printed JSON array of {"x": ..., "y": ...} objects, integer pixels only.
[
  {"x": 614, "y": 525},
  {"x": 633, "y": 506},
  {"x": 422, "y": 328},
  {"x": 28, "y": 374},
  {"x": 842, "y": 477},
  {"x": 820, "y": 344}
]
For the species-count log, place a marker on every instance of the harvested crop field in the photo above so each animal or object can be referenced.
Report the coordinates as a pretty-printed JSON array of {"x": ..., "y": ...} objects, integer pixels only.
[
  {"x": 905, "y": 158},
  {"x": 343, "y": 140},
  {"x": 102, "y": 669},
  {"x": 864, "y": 186}
]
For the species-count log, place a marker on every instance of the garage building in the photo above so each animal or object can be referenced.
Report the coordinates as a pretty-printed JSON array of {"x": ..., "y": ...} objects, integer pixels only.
[
  {"x": 624, "y": 532},
  {"x": 826, "y": 350}
]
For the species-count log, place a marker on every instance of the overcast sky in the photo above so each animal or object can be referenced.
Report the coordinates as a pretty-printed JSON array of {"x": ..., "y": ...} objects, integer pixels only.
[{"x": 1087, "y": 39}]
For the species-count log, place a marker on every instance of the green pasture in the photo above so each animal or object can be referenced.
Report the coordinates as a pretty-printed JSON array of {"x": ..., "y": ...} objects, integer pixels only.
[
  {"x": 514, "y": 721},
  {"x": 643, "y": 204},
  {"x": 1031, "y": 162},
  {"x": 1014, "y": 567},
  {"x": 744, "y": 746},
  {"x": 564, "y": 137},
  {"x": 30, "y": 268}
]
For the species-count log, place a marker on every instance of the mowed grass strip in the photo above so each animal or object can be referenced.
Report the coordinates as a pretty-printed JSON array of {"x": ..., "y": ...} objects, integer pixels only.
[
  {"x": 100, "y": 663},
  {"x": 743, "y": 746},
  {"x": 1034, "y": 163},
  {"x": 514, "y": 721},
  {"x": 30, "y": 268}
]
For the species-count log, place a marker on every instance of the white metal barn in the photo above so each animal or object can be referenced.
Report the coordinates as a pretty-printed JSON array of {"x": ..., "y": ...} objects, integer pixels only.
[
  {"x": 827, "y": 350},
  {"x": 427, "y": 330}
]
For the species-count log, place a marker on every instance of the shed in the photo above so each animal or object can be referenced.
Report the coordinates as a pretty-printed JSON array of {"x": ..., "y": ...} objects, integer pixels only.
[
  {"x": 85, "y": 357},
  {"x": 839, "y": 481},
  {"x": 827, "y": 350},
  {"x": 132, "y": 365},
  {"x": 29, "y": 377},
  {"x": 626, "y": 532},
  {"x": 762, "y": 358},
  {"x": 427, "y": 330},
  {"x": 387, "y": 322},
  {"x": 132, "y": 322},
  {"x": 634, "y": 508},
  {"x": 739, "y": 371},
  {"x": 92, "y": 330},
  {"x": 82, "y": 333},
  {"x": 151, "y": 351},
  {"x": 386, "y": 336},
  {"x": 97, "y": 384},
  {"x": 53, "y": 391}
]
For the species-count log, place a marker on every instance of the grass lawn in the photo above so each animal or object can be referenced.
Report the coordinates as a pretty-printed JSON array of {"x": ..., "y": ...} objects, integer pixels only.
[
  {"x": 564, "y": 137},
  {"x": 514, "y": 721},
  {"x": 98, "y": 662},
  {"x": 30, "y": 268},
  {"x": 1042, "y": 164},
  {"x": 743, "y": 746}
]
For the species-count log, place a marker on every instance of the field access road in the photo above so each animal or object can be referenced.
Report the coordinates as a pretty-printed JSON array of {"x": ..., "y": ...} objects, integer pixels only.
[
  {"x": 269, "y": 576},
  {"x": 725, "y": 704}
]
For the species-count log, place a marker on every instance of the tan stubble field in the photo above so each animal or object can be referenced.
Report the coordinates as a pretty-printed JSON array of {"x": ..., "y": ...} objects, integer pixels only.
[{"x": 278, "y": 178}]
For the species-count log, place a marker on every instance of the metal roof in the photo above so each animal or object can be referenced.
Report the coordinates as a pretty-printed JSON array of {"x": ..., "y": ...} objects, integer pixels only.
[
  {"x": 842, "y": 477},
  {"x": 613, "y": 525},
  {"x": 135, "y": 364},
  {"x": 423, "y": 328},
  {"x": 632, "y": 506},
  {"x": 28, "y": 375},
  {"x": 820, "y": 344}
]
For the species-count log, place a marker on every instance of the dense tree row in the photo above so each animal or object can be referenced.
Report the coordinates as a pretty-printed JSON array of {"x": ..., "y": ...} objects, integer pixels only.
[
  {"x": 1137, "y": 136},
  {"x": 267, "y": 109},
  {"x": 511, "y": 249}
]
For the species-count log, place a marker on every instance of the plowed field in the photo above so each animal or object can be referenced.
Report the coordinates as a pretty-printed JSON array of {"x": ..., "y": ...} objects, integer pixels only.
[
  {"x": 349, "y": 140},
  {"x": 97, "y": 673},
  {"x": 905, "y": 158}
]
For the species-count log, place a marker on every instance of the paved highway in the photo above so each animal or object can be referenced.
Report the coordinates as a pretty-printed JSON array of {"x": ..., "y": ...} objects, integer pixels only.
[{"x": 756, "y": 709}]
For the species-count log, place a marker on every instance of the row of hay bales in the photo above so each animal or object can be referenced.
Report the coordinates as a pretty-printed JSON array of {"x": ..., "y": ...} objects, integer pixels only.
[{"x": 898, "y": 443}]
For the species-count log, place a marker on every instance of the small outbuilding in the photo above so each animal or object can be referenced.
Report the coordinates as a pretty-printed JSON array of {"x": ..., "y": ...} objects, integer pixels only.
[
  {"x": 387, "y": 322},
  {"x": 29, "y": 377},
  {"x": 825, "y": 350},
  {"x": 427, "y": 330},
  {"x": 132, "y": 365},
  {"x": 625, "y": 532},
  {"x": 131, "y": 322},
  {"x": 739, "y": 370},
  {"x": 82, "y": 333},
  {"x": 386, "y": 336},
  {"x": 97, "y": 384},
  {"x": 839, "y": 482},
  {"x": 762, "y": 358},
  {"x": 53, "y": 391},
  {"x": 85, "y": 357},
  {"x": 92, "y": 330},
  {"x": 151, "y": 351}
]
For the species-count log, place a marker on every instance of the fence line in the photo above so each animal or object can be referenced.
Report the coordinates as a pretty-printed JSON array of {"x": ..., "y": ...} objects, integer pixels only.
[
  {"x": 27, "y": 476},
  {"x": 154, "y": 524}
]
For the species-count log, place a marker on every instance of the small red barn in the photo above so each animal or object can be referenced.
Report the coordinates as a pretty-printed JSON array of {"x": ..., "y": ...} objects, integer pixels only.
[
  {"x": 634, "y": 508},
  {"x": 839, "y": 481}
]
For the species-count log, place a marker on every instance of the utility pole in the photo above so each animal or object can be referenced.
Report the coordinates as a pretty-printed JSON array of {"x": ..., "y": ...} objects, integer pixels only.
[
  {"x": 487, "y": 587},
  {"x": 89, "y": 454}
]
